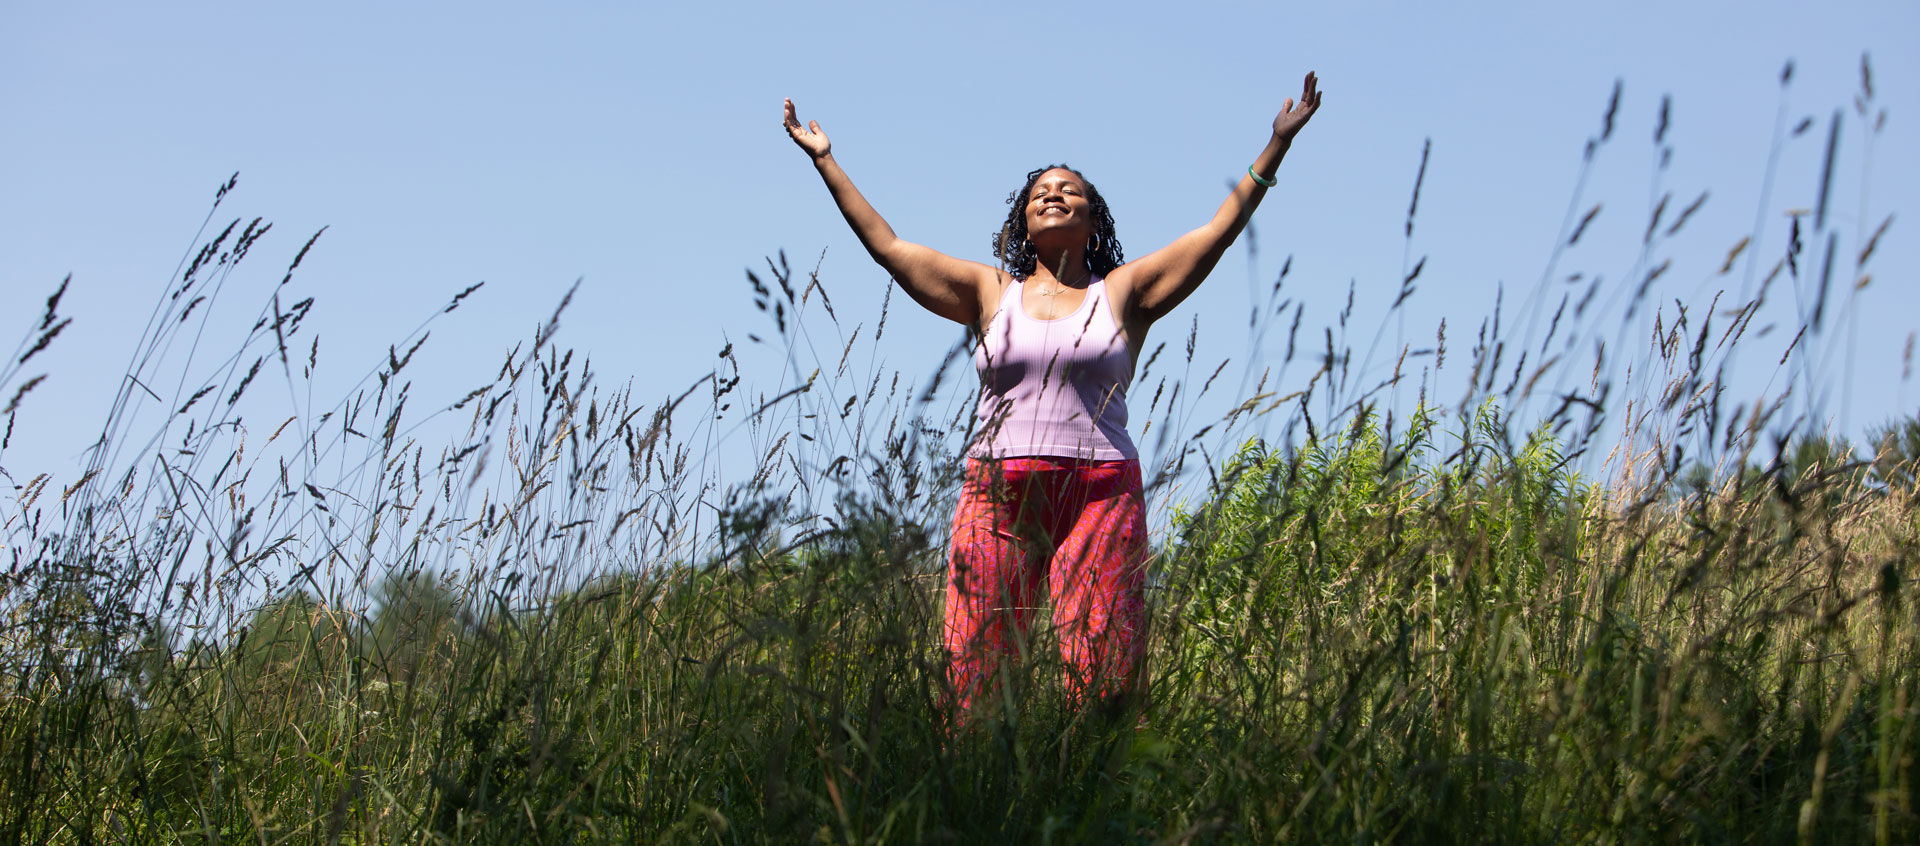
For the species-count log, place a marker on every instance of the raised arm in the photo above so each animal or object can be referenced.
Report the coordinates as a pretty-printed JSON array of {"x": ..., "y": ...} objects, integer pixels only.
[
  {"x": 944, "y": 285},
  {"x": 1153, "y": 284}
]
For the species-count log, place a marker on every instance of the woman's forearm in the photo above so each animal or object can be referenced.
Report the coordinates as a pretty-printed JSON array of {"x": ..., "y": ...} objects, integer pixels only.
[
  {"x": 1268, "y": 162},
  {"x": 867, "y": 224},
  {"x": 944, "y": 285},
  {"x": 1293, "y": 117},
  {"x": 1247, "y": 193}
]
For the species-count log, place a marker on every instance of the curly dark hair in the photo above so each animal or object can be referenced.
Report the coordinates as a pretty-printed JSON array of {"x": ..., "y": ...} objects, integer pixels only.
[{"x": 1010, "y": 244}]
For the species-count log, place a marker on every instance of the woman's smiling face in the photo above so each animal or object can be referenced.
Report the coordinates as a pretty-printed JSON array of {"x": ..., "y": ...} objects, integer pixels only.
[{"x": 1058, "y": 204}]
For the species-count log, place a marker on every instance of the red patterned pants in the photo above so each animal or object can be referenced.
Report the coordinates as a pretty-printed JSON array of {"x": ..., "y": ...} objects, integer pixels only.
[{"x": 1074, "y": 530}]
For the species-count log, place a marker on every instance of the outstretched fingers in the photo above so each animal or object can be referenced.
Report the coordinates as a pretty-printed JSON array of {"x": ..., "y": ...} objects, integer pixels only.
[
  {"x": 795, "y": 130},
  {"x": 1294, "y": 113},
  {"x": 809, "y": 136}
]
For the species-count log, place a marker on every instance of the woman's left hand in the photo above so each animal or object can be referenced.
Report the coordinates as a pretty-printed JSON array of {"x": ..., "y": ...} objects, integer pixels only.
[{"x": 1293, "y": 115}]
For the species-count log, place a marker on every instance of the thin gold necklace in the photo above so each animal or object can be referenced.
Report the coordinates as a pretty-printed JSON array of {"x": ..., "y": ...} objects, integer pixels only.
[{"x": 1058, "y": 288}]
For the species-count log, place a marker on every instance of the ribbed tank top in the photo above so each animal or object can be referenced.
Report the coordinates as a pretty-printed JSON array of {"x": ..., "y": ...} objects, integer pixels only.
[{"x": 1053, "y": 387}]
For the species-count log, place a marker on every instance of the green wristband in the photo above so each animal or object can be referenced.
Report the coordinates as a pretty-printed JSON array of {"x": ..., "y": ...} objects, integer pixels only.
[{"x": 1264, "y": 183}]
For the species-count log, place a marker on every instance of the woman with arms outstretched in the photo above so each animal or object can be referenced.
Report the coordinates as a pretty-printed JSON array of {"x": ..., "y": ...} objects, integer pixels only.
[{"x": 1052, "y": 499}]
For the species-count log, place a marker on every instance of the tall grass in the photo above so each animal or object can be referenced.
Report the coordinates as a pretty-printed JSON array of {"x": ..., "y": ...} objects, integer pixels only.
[{"x": 529, "y": 615}]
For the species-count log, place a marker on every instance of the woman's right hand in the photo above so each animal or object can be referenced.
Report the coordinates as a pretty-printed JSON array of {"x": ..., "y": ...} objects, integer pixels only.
[{"x": 809, "y": 137}]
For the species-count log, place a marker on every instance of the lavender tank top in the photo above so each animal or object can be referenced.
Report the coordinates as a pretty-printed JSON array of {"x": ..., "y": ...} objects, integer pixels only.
[{"x": 1053, "y": 387}]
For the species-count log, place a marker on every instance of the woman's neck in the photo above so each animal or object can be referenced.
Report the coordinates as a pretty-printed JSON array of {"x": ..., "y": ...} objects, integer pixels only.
[{"x": 1067, "y": 268}]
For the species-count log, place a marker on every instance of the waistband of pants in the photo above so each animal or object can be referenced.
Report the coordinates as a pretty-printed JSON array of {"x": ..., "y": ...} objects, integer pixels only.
[{"x": 1037, "y": 463}]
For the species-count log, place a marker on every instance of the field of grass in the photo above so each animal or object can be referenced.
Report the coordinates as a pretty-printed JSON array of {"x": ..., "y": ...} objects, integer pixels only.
[{"x": 551, "y": 626}]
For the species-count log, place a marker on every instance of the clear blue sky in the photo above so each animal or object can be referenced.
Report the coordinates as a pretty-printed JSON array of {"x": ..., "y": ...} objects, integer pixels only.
[{"x": 637, "y": 146}]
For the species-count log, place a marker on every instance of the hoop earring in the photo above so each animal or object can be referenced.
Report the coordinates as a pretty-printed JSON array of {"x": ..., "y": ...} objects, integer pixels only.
[{"x": 1094, "y": 245}]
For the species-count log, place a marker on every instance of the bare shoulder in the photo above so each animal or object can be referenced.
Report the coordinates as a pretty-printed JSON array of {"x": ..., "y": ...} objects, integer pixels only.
[
  {"x": 950, "y": 287},
  {"x": 978, "y": 276},
  {"x": 1121, "y": 288},
  {"x": 993, "y": 285}
]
